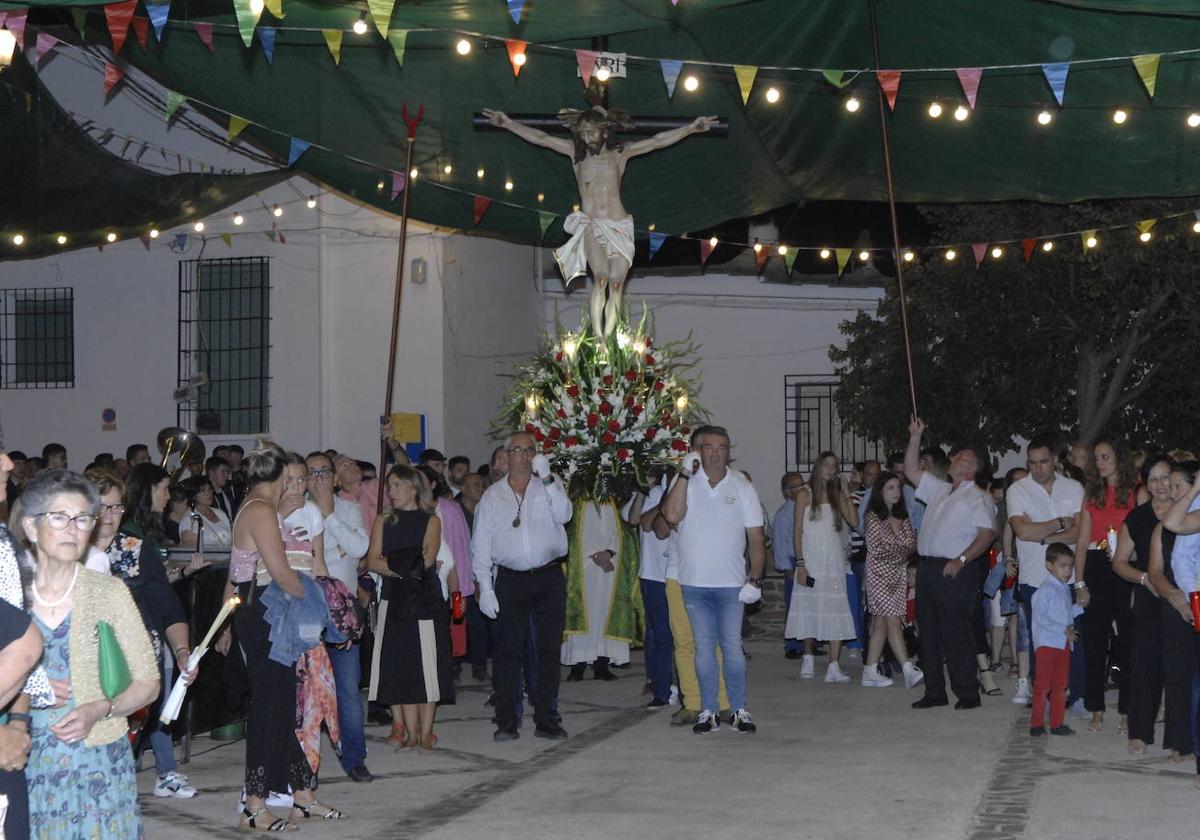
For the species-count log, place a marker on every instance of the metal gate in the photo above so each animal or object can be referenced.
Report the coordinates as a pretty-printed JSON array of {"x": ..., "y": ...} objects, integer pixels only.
[{"x": 813, "y": 425}]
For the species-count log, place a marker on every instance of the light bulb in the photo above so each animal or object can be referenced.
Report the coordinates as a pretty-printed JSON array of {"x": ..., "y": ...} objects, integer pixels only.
[
  {"x": 360, "y": 25},
  {"x": 479, "y": 173},
  {"x": 1193, "y": 120},
  {"x": 379, "y": 186},
  {"x": 570, "y": 346},
  {"x": 8, "y": 43},
  {"x": 110, "y": 236},
  {"x": 62, "y": 239},
  {"x": 690, "y": 84},
  {"x": 935, "y": 109},
  {"x": 782, "y": 250},
  {"x": 1091, "y": 242},
  {"x": 447, "y": 169},
  {"x": 997, "y": 252},
  {"x": 198, "y": 227},
  {"x": 1145, "y": 236},
  {"x": 312, "y": 202},
  {"x": 18, "y": 239},
  {"x": 824, "y": 253},
  {"x": 413, "y": 173},
  {"x": 758, "y": 246},
  {"x": 1119, "y": 116},
  {"x": 256, "y": 7},
  {"x": 276, "y": 211},
  {"x": 238, "y": 218},
  {"x": 1196, "y": 227},
  {"x": 541, "y": 197},
  {"x": 852, "y": 104},
  {"x": 603, "y": 74},
  {"x": 1044, "y": 118},
  {"x": 154, "y": 233},
  {"x": 864, "y": 255},
  {"x": 772, "y": 95},
  {"x": 463, "y": 46},
  {"x": 519, "y": 59},
  {"x": 951, "y": 254},
  {"x": 681, "y": 403},
  {"x": 961, "y": 113},
  {"x": 1047, "y": 246},
  {"x": 651, "y": 226},
  {"x": 508, "y": 185},
  {"x": 712, "y": 242},
  {"x": 909, "y": 256}
]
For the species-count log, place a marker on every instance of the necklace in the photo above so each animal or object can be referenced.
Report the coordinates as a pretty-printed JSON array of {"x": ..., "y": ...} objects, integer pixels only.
[
  {"x": 516, "y": 523},
  {"x": 52, "y": 604}
]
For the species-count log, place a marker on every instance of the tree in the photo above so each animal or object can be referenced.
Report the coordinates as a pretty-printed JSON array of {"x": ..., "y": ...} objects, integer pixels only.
[{"x": 1086, "y": 340}]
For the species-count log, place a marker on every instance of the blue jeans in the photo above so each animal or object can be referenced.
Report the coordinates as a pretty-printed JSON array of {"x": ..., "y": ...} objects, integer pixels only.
[
  {"x": 347, "y": 672},
  {"x": 715, "y": 614},
  {"x": 854, "y": 593},
  {"x": 659, "y": 643},
  {"x": 160, "y": 736},
  {"x": 789, "y": 580}
]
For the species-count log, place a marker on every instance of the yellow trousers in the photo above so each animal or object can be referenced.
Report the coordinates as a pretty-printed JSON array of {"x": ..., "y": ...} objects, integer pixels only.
[{"x": 685, "y": 652}]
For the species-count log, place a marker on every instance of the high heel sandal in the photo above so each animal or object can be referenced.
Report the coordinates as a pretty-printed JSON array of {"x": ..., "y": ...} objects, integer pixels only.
[
  {"x": 1136, "y": 746},
  {"x": 399, "y": 736},
  {"x": 306, "y": 811},
  {"x": 249, "y": 823},
  {"x": 426, "y": 744},
  {"x": 1096, "y": 725}
]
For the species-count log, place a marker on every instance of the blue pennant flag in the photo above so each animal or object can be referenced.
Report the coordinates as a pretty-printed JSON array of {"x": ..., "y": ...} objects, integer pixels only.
[
  {"x": 1056, "y": 76},
  {"x": 266, "y": 37},
  {"x": 656, "y": 241},
  {"x": 298, "y": 148},
  {"x": 181, "y": 241},
  {"x": 670, "y": 71},
  {"x": 515, "y": 8},
  {"x": 158, "y": 16}
]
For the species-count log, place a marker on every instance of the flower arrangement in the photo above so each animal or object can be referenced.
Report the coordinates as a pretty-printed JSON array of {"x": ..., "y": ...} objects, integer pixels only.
[{"x": 605, "y": 411}]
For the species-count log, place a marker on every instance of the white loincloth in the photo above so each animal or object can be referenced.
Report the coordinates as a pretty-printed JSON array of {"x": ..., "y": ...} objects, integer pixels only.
[{"x": 614, "y": 235}]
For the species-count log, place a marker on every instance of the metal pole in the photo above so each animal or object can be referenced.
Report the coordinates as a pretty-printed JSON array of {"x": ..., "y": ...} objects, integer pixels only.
[{"x": 891, "y": 192}]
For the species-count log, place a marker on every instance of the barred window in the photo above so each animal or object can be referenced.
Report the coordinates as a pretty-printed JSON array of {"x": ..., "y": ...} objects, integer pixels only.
[
  {"x": 813, "y": 425},
  {"x": 224, "y": 346},
  {"x": 37, "y": 338}
]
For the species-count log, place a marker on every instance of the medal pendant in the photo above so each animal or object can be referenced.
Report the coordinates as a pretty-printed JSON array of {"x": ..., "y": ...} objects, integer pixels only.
[{"x": 517, "y": 521}]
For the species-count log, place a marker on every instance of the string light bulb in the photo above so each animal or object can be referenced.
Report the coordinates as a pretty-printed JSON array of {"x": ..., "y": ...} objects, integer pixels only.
[
  {"x": 541, "y": 197},
  {"x": 1091, "y": 242},
  {"x": 961, "y": 113},
  {"x": 479, "y": 173},
  {"x": 651, "y": 226},
  {"x": 447, "y": 169},
  {"x": 154, "y": 233},
  {"x": 276, "y": 211},
  {"x": 909, "y": 256},
  {"x": 1145, "y": 236},
  {"x": 1196, "y": 226},
  {"x": 772, "y": 95},
  {"x": 18, "y": 239},
  {"x": 360, "y": 25},
  {"x": 758, "y": 245},
  {"x": 312, "y": 202},
  {"x": 1193, "y": 120},
  {"x": 852, "y": 104},
  {"x": 413, "y": 173},
  {"x": 997, "y": 252},
  {"x": 603, "y": 74},
  {"x": 238, "y": 218},
  {"x": 508, "y": 185},
  {"x": 1047, "y": 246},
  {"x": 198, "y": 227},
  {"x": 1119, "y": 116},
  {"x": 782, "y": 250},
  {"x": 824, "y": 253},
  {"x": 519, "y": 59},
  {"x": 8, "y": 43},
  {"x": 110, "y": 236},
  {"x": 256, "y": 7},
  {"x": 691, "y": 84},
  {"x": 864, "y": 255},
  {"x": 379, "y": 186},
  {"x": 951, "y": 255},
  {"x": 61, "y": 239},
  {"x": 935, "y": 110},
  {"x": 1045, "y": 118},
  {"x": 463, "y": 47},
  {"x": 712, "y": 242}
]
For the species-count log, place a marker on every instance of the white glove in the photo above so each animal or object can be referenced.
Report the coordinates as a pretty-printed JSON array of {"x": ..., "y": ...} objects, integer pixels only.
[
  {"x": 749, "y": 594},
  {"x": 541, "y": 466},
  {"x": 690, "y": 463},
  {"x": 488, "y": 604}
]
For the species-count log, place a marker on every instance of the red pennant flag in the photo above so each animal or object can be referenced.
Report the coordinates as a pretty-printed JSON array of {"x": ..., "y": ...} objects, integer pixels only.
[
  {"x": 1027, "y": 245},
  {"x": 112, "y": 75},
  {"x": 969, "y": 77},
  {"x": 706, "y": 249},
  {"x": 979, "y": 249},
  {"x": 15, "y": 23},
  {"x": 145, "y": 237},
  {"x": 205, "y": 30},
  {"x": 118, "y": 16},
  {"x": 141, "y": 28},
  {"x": 889, "y": 83},
  {"x": 516, "y": 48},
  {"x": 760, "y": 259},
  {"x": 587, "y": 63},
  {"x": 282, "y": 238},
  {"x": 481, "y": 206},
  {"x": 399, "y": 181}
]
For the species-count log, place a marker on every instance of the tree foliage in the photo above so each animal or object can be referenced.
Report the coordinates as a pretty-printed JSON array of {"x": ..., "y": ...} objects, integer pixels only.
[{"x": 1089, "y": 341}]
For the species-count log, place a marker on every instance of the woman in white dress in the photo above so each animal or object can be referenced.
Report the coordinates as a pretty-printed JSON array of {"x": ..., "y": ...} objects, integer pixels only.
[{"x": 820, "y": 607}]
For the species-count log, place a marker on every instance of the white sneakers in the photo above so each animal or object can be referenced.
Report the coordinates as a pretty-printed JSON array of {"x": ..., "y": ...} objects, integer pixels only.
[
  {"x": 913, "y": 676},
  {"x": 807, "y": 667},
  {"x": 1021, "y": 694},
  {"x": 174, "y": 785},
  {"x": 833, "y": 674},
  {"x": 871, "y": 678}
]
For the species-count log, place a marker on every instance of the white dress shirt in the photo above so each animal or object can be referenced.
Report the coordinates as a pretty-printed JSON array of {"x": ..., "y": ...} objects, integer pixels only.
[
  {"x": 539, "y": 537},
  {"x": 952, "y": 517},
  {"x": 1027, "y": 497},
  {"x": 653, "y": 564},
  {"x": 346, "y": 542},
  {"x": 711, "y": 539}
]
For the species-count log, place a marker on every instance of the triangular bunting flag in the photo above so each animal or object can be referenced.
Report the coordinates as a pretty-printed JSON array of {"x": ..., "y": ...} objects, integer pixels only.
[
  {"x": 296, "y": 149},
  {"x": 282, "y": 238},
  {"x": 1145, "y": 225},
  {"x": 145, "y": 237},
  {"x": 158, "y": 17},
  {"x": 181, "y": 241},
  {"x": 979, "y": 249},
  {"x": 706, "y": 249},
  {"x": 112, "y": 75},
  {"x": 247, "y": 19},
  {"x": 381, "y": 13},
  {"x": 515, "y": 8},
  {"x": 398, "y": 38},
  {"x": 266, "y": 37},
  {"x": 1027, "y": 246},
  {"x": 271, "y": 234},
  {"x": 789, "y": 259},
  {"x": 204, "y": 32},
  {"x": 837, "y": 78},
  {"x": 78, "y": 16},
  {"x": 236, "y": 124},
  {"x": 760, "y": 259},
  {"x": 1086, "y": 235},
  {"x": 745, "y": 79},
  {"x": 227, "y": 238},
  {"x": 333, "y": 40},
  {"x": 481, "y": 206},
  {"x": 656, "y": 241},
  {"x": 670, "y": 74},
  {"x": 843, "y": 259},
  {"x": 1056, "y": 77},
  {"x": 118, "y": 16},
  {"x": 14, "y": 22},
  {"x": 516, "y": 48},
  {"x": 587, "y": 63},
  {"x": 174, "y": 100},
  {"x": 45, "y": 43},
  {"x": 275, "y": 7},
  {"x": 141, "y": 28},
  {"x": 889, "y": 83},
  {"x": 969, "y": 78},
  {"x": 399, "y": 181},
  {"x": 1147, "y": 68},
  {"x": 545, "y": 219}
]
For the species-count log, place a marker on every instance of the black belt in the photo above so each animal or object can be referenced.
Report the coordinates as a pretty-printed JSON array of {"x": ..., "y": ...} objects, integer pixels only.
[{"x": 553, "y": 565}]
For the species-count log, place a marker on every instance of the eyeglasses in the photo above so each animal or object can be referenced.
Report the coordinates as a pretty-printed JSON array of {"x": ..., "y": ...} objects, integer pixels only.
[
  {"x": 324, "y": 472},
  {"x": 117, "y": 508},
  {"x": 522, "y": 450},
  {"x": 58, "y": 520}
]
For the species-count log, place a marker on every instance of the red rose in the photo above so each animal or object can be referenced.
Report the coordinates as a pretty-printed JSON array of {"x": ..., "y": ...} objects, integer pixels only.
[
  {"x": 605, "y": 408},
  {"x": 555, "y": 433},
  {"x": 539, "y": 437},
  {"x": 649, "y": 341},
  {"x": 592, "y": 420},
  {"x": 631, "y": 375},
  {"x": 629, "y": 401},
  {"x": 560, "y": 413},
  {"x": 679, "y": 445},
  {"x": 608, "y": 438},
  {"x": 658, "y": 385},
  {"x": 651, "y": 432},
  {"x": 614, "y": 426},
  {"x": 623, "y": 454},
  {"x": 608, "y": 379},
  {"x": 558, "y": 357},
  {"x": 649, "y": 359},
  {"x": 637, "y": 410},
  {"x": 573, "y": 391},
  {"x": 548, "y": 446},
  {"x": 571, "y": 441},
  {"x": 529, "y": 427}
]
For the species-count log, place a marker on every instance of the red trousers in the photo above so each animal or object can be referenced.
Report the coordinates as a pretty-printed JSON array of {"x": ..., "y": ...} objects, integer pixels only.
[{"x": 1052, "y": 675}]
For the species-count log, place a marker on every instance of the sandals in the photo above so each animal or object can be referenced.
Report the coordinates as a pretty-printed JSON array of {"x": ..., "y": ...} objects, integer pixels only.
[
  {"x": 249, "y": 823},
  {"x": 994, "y": 692},
  {"x": 398, "y": 737},
  {"x": 1136, "y": 746},
  {"x": 306, "y": 811}
]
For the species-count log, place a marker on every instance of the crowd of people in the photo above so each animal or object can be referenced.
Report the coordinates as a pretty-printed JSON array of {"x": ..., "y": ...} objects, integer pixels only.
[{"x": 1084, "y": 564}]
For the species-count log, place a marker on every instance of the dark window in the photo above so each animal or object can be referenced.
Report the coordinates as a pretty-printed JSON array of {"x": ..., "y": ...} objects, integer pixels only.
[
  {"x": 224, "y": 346},
  {"x": 813, "y": 425},
  {"x": 37, "y": 338}
]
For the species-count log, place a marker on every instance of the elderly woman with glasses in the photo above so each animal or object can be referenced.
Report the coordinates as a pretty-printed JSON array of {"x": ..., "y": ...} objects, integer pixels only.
[{"x": 81, "y": 774}]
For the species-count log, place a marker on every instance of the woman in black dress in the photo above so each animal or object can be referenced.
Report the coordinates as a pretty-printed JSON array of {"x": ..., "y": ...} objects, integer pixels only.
[{"x": 411, "y": 668}]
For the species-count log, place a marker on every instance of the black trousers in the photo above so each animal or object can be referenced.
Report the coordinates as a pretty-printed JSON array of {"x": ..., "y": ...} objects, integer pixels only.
[
  {"x": 542, "y": 596},
  {"x": 1179, "y": 670},
  {"x": 1102, "y": 583},
  {"x": 945, "y": 621},
  {"x": 1145, "y": 665},
  {"x": 15, "y": 825}
]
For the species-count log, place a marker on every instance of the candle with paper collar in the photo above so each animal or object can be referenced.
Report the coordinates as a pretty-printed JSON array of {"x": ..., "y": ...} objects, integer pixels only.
[
  {"x": 1112, "y": 543},
  {"x": 226, "y": 609}
]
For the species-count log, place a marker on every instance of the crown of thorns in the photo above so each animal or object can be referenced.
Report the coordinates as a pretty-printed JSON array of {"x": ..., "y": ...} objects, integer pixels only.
[{"x": 572, "y": 118}]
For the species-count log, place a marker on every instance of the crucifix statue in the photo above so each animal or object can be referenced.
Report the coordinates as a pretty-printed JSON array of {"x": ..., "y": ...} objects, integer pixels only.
[{"x": 602, "y": 229}]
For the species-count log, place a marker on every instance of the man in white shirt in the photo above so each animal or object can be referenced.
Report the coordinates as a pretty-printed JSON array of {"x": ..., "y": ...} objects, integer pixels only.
[
  {"x": 644, "y": 515},
  {"x": 957, "y": 529},
  {"x": 783, "y": 550},
  {"x": 1043, "y": 507},
  {"x": 346, "y": 542},
  {"x": 520, "y": 537},
  {"x": 717, "y": 516}
]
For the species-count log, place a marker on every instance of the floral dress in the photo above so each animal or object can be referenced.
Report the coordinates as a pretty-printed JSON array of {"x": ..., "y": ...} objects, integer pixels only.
[{"x": 77, "y": 792}]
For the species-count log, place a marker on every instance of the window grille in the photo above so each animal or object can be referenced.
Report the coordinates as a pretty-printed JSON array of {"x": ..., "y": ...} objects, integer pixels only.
[
  {"x": 37, "y": 338},
  {"x": 813, "y": 425}
]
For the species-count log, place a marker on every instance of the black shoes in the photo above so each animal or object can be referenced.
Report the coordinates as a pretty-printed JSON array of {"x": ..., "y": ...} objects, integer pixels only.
[
  {"x": 552, "y": 732},
  {"x": 1062, "y": 730},
  {"x": 600, "y": 672},
  {"x": 928, "y": 702},
  {"x": 656, "y": 703},
  {"x": 504, "y": 734},
  {"x": 1037, "y": 731},
  {"x": 360, "y": 774},
  {"x": 576, "y": 674},
  {"x": 972, "y": 703}
]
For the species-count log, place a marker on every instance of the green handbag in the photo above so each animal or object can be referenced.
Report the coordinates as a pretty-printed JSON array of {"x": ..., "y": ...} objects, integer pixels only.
[{"x": 114, "y": 669}]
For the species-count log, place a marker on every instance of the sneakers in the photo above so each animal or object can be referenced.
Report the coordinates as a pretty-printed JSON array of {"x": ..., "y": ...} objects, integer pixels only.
[
  {"x": 706, "y": 722},
  {"x": 743, "y": 723},
  {"x": 1021, "y": 695},
  {"x": 174, "y": 785},
  {"x": 1078, "y": 710},
  {"x": 913, "y": 676},
  {"x": 807, "y": 667},
  {"x": 833, "y": 674},
  {"x": 1062, "y": 730},
  {"x": 871, "y": 678}
]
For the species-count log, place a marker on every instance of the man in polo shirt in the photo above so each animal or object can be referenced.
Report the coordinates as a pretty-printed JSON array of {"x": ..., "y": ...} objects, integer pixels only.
[
  {"x": 717, "y": 515},
  {"x": 958, "y": 527},
  {"x": 1043, "y": 507}
]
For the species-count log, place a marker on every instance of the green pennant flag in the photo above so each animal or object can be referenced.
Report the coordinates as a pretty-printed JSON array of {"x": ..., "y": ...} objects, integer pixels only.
[
  {"x": 381, "y": 13},
  {"x": 227, "y": 238},
  {"x": 79, "y": 15},
  {"x": 837, "y": 78},
  {"x": 545, "y": 219},
  {"x": 333, "y": 40},
  {"x": 247, "y": 19},
  {"x": 398, "y": 38},
  {"x": 843, "y": 257},
  {"x": 174, "y": 100},
  {"x": 1147, "y": 68},
  {"x": 789, "y": 259},
  {"x": 271, "y": 235},
  {"x": 236, "y": 124}
]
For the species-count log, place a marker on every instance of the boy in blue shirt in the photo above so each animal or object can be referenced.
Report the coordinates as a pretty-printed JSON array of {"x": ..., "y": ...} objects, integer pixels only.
[{"x": 1053, "y": 635}]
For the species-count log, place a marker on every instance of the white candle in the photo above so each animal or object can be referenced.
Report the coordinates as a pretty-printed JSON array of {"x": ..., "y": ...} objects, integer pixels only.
[{"x": 226, "y": 609}]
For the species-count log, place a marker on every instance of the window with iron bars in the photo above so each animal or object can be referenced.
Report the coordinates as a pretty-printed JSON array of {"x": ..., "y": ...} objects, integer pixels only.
[
  {"x": 224, "y": 346},
  {"x": 813, "y": 426},
  {"x": 37, "y": 338}
]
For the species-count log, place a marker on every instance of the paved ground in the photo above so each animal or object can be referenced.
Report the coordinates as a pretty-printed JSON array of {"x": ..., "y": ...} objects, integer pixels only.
[{"x": 830, "y": 761}]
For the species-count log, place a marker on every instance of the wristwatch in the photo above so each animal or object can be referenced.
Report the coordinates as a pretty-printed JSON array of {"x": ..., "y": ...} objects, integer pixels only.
[
  {"x": 754, "y": 582},
  {"x": 1080, "y": 585},
  {"x": 21, "y": 717},
  {"x": 962, "y": 558}
]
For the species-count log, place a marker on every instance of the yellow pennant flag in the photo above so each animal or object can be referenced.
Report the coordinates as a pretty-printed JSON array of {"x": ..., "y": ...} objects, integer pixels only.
[
  {"x": 1147, "y": 68},
  {"x": 398, "y": 38},
  {"x": 236, "y": 124},
  {"x": 333, "y": 40},
  {"x": 275, "y": 7},
  {"x": 843, "y": 257},
  {"x": 1145, "y": 225},
  {"x": 381, "y": 13},
  {"x": 227, "y": 238},
  {"x": 745, "y": 79}
]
